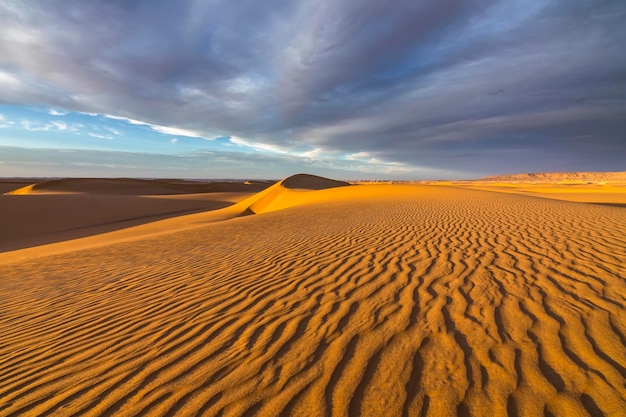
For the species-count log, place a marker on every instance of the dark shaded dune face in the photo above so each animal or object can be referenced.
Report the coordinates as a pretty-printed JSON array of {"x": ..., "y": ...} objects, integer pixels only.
[
  {"x": 311, "y": 182},
  {"x": 33, "y": 220},
  {"x": 98, "y": 186}
]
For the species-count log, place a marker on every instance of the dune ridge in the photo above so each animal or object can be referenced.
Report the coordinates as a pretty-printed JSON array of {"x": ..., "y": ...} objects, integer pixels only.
[
  {"x": 397, "y": 300},
  {"x": 130, "y": 186}
]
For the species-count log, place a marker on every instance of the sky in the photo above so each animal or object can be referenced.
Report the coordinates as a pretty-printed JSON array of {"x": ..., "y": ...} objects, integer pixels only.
[{"x": 351, "y": 89}]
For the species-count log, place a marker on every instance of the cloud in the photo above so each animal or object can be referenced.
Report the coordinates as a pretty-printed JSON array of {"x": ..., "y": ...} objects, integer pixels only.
[
  {"x": 166, "y": 130},
  {"x": 4, "y": 123},
  {"x": 358, "y": 156},
  {"x": 256, "y": 145},
  {"x": 36, "y": 126},
  {"x": 15, "y": 161},
  {"x": 175, "y": 131},
  {"x": 114, "y": 131},
  {"x": 100, "y": 136},
  {"x": 9, "y": 81},
  {"x": 479, "y": 86},
  {"x": 59, "y": 125}
]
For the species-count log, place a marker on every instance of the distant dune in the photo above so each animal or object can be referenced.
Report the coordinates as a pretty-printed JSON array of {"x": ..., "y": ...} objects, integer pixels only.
[
  {"x": 605, "y": 188},
  {"x": 561, "y": 176},
  {"x": 127, "y": 186},
  {"x": 315, "y": 298},
  {"x": 57, "y": 210}
]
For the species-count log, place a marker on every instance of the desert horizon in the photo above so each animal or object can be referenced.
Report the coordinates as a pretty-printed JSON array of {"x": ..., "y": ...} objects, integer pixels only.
[{"x": 311, "y": 296}]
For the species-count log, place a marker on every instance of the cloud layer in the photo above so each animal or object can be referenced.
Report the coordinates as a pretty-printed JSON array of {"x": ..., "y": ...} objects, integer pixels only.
[{"x": 473, "y": 86}]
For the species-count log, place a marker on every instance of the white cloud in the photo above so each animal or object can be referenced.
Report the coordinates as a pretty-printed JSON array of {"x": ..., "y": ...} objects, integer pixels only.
[
  {"x": 9, "y": 81},
  {"x": 22, "y": 35},
  {"x": 55, "y": 112},
  {"x": 174, "y": 140},
  {"x": 114, "y": 131},
  {"x": 166, "y": 130},
  {"x": 34, "y": 127},
  {"x": 125, "y": 119},
  {"x": 243, "y": 85},
  {"x": 174, "y": 131},
  {"x": 256, "y": 145},
  {"x": 40, "y": 127},
  {"x": 357, "y": 156},
  {"x": 313, "y": 153},
  {"x": 4, "y": 123},
  {"x": 96, "y": 135},
  {"x": 59, "y": 125}
]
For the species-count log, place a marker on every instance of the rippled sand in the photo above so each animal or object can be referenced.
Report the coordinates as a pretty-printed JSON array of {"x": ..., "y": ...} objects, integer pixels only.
[{"x": 381, "y": 300}]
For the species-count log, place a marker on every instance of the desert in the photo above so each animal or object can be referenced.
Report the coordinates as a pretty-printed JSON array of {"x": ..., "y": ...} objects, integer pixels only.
[
  {"x": 312, "y": 208},
  {"x": 316, "y": 297}
]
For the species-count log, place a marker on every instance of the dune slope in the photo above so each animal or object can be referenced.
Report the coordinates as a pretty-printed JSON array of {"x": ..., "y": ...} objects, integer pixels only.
[{"x": 397, "y": 300}]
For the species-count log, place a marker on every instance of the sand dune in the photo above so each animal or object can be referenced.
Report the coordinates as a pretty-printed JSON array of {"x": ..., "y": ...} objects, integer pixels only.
[
  {"x": 33, "y": 220},
  {"x": 87, "y": 219},
  {"x": 60, "y": 210},
  {"x": 395, "y": 300},
  {"x": 127, "y": 186}
]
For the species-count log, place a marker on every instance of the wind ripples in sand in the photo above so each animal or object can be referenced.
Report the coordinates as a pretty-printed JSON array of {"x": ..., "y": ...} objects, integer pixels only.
[{"x": 416, "y": 301}]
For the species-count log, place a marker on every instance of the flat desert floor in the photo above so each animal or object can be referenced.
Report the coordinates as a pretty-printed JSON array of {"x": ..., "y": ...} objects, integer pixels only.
[{"x": 309, "y": 298}]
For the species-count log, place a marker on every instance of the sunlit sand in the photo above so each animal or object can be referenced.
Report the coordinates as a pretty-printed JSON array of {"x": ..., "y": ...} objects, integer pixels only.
[{"x": 312, "y": 297}]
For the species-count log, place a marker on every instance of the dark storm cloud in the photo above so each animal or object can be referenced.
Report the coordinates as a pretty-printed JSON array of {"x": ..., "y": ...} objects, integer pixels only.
[{"x": 484, "y": 86}]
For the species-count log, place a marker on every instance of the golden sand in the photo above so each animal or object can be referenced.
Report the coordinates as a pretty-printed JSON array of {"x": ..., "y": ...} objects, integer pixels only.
[
  {"x": 373, "y": 300},
  {"x": 598, "y": 193}
]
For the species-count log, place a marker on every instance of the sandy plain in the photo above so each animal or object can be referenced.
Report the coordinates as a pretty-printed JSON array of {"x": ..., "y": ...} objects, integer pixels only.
[{"x": 310, "y": 297}]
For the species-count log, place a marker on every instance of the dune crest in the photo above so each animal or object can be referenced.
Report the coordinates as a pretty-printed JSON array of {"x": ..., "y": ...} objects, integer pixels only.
[
  {"x": 288, "y": 193},
  {"x": 311, "y": 182}
]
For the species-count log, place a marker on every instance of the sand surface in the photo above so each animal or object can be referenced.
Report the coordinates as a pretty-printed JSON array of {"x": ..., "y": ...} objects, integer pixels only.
[
  {"x": 374, "y": 300},
  {"x": 594, "y": 193}
]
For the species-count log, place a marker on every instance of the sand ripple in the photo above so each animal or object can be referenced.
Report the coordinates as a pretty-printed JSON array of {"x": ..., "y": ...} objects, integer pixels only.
[{"x": 371, "y": 300}]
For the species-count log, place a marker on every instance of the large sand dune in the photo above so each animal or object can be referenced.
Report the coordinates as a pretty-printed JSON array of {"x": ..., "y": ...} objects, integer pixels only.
[
  {"x": 58, "y": 210},
  {"x": 381, "y": 300},
  {"x": 129, "y": 186}
]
